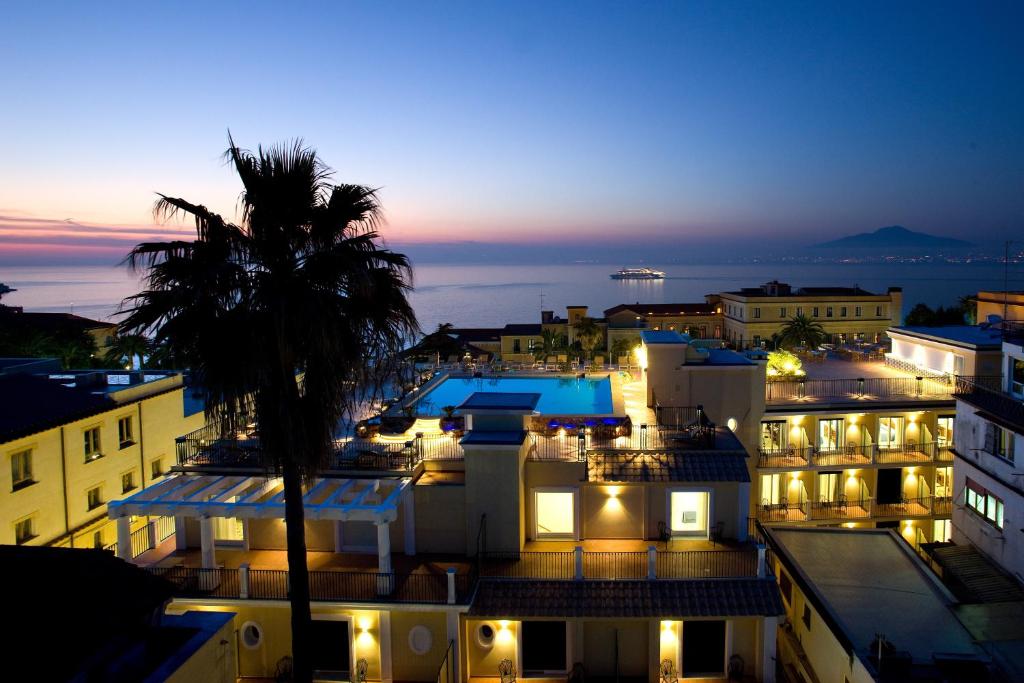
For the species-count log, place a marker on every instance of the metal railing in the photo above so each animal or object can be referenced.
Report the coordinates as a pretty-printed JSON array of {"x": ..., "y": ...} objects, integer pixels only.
[
  {"x": 907, "y": 507},
  {"x": 630, "y": 565},
  {"x": 148, "y": 536},
  {"x": 855, "y": 456},
  {"x": 324, "y": 585},
  {"x": 841, "y": 509},
  {"x": 563, "y": 447},
  {"x": 991, "y": 400},
  {"x": 783, "y": 512},
  {"x": 938, "y": 387}
]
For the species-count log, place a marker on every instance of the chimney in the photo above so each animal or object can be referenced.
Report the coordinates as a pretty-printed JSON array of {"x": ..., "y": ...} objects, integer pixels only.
[
  {"x": 547, "y": 316},
  {"x": 896, "y": 305}
]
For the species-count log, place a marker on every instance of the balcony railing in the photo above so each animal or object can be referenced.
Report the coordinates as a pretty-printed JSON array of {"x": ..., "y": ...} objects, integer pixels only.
[
  {"x": 853, "y": 510},
  {"x": 804, "y": 390},
  {"x": 991, "y": 400},
  {"x": 324, "y": 586},
  {"x": 581, "y": 564},
  {"x": 644, "y": 438},
  {"x": 147, "y": 537},
  {"x": 853, "y": 456},
  {"x": 209, "y": 447}
]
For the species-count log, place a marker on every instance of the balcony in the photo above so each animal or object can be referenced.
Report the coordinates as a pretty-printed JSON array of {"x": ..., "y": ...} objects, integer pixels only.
[
  {"x": 842, "y": 510},
  {"x": 350, "y": 577},
  {"x": 853, "y": 456},
  {"x": 1002, "y": 406}
]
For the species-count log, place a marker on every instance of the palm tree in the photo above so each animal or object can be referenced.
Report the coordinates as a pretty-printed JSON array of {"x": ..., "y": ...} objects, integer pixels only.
[
  {"x": 296, "y": 311},
  {"x": 125, "y": 348},
  {"x": 550, "y": 344},
  {"x": 802, "y": 331},
  {"x": 589, "y": 334}
]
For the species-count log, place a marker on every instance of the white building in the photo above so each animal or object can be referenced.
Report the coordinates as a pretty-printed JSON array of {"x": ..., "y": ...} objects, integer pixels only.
[{"x": 987, "y": 476}]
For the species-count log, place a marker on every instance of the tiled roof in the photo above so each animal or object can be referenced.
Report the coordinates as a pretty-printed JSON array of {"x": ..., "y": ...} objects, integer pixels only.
[
  {"x": 624, "y": 599},
  {"x": 688, "y": 466},
  {"x": 29, "y": 404},
  {"x": 662, "y": 309},
  {"x": 521, "y": 328}
]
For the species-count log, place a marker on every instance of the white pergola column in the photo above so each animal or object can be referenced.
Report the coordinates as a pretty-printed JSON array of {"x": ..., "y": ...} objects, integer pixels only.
[
  {"x": 206, "y": 542},
  {"x": 124, "y": 537},
  {"x": 769, "y": 626},
  {"x": 409, "y": 522},
  {"x": 384, "y": 547}
]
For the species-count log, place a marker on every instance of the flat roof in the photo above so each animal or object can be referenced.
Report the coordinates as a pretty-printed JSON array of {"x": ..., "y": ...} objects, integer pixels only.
[
  {"x": 957, "y": 335},
  {"x": 727, "y": 357},
  {"x": 500, "y": 400},
  {"x": 868, "y": 581}
]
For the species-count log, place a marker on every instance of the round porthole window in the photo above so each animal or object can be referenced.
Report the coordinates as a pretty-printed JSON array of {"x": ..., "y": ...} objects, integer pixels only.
[
  {"x": 485, "y": 635},
  {"x": 252, "y": 635},
  {"x": 420, "y": 640}
]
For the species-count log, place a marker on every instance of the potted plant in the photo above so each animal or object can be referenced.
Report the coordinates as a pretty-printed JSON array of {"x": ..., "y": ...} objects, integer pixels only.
[{"x": 452, "y": 423}]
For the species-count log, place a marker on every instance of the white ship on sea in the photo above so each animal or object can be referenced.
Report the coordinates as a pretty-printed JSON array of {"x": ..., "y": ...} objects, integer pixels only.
[{"x": 638, "y": 274}]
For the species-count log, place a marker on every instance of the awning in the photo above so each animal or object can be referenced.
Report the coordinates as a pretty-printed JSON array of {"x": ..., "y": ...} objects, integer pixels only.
[{"x": 248, "y": 497}]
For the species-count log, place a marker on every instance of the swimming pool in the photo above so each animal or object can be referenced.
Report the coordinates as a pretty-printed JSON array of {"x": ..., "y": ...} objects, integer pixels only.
[{"x": 558, "y": 395}]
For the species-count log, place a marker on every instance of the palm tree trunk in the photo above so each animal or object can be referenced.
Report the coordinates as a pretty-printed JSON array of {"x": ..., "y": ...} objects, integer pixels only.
[{"x": 298, "y": 572}]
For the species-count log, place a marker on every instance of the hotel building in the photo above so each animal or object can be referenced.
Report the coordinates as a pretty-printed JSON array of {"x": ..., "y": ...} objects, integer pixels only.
[
  {"x": 753, "y": 315},
  {"x": 72, "y": 441},
  {"x": 537, "y": 532},
  {"x": 989, "y": 444}
]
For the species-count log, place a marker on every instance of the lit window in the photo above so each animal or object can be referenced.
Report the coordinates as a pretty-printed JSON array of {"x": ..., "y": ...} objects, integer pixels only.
[
  {"x": 124, "y": 431},
  {"x": 689, "y": 513},
  {"x": 127, "y": 482},
  {"x": 228, "y": 529},
  {"x": 21, "y": 469},
  {"x": 890, "y": 432},
  {"x": 24, "y": 530},
  {"x": 556, "y": 514},
  {"x": 92, "y": 443},
  {"x": 93, "y": 498},
  {"x": 985, "y": 503}
]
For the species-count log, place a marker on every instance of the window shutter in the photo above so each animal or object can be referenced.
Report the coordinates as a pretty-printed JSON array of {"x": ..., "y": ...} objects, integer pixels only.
[{"x": 990, "y": 437}]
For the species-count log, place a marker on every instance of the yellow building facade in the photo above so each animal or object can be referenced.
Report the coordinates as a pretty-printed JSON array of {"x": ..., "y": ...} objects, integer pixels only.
[
  {"x": 109, "y": 435},
  {"x": 753, "y": 315}
]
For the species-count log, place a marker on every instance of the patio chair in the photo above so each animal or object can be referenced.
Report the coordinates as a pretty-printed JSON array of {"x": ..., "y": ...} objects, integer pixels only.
[
  {"x": 716, "y": 532},
  {"x": 667, "y": 672},
  {"x": 599, "y": 362},
  {"x": 623, "y": 362},
  {"x": 664, "y": 535},
  {"x": 551, "y": 364},
  {"x": 507, "y": 671},
  {"x": 563, "y": 358}
]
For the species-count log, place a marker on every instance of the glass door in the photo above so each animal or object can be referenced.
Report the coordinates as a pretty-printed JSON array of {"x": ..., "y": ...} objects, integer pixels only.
[
  {"x": 890, "y": 432},
  {"x": 830, "y": 434}
]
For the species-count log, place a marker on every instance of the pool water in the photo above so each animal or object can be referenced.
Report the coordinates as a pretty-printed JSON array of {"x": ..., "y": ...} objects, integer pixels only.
[{"x": 558, "y": 395}]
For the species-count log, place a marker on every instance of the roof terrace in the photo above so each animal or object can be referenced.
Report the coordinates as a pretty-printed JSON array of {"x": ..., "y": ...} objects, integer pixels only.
[{"x": 834, "y": 381}]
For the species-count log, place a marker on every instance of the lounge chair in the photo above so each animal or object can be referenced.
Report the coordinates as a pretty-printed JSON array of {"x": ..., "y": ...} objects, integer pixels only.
[
  {"x": 551, "y": 364},
  {"x": 598, "y": 363}
]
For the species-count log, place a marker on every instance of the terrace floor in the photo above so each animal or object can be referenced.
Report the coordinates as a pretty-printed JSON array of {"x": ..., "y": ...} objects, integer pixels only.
[{"x": 838, "y": 368}]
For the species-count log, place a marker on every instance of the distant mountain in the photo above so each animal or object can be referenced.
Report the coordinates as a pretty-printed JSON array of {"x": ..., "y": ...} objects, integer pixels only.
[{"x": 893, "y": 236}]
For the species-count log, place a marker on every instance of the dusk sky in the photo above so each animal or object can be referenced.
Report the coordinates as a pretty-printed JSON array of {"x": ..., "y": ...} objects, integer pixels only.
[{"x": 525, "y": 122}]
